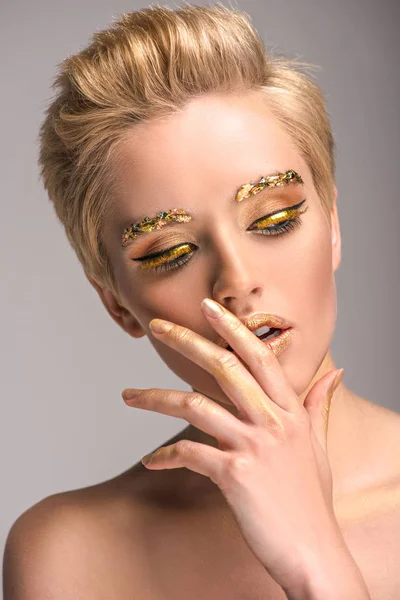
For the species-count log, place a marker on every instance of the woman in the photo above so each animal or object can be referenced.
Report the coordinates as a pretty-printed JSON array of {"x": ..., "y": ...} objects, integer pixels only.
[{"x": 177, "y": 140}]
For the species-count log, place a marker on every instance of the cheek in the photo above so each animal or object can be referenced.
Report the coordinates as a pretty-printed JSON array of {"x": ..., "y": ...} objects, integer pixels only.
[
  {"x": 313, "y": 289},
  {"x": 312, "y": 274}
]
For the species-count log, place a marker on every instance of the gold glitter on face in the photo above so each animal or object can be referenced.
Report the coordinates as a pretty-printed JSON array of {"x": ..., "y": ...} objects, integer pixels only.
[
  {"x": 162, "y": 218},
  {"x": 250, "y": 189},
  {"x": 179, "y": 215}
]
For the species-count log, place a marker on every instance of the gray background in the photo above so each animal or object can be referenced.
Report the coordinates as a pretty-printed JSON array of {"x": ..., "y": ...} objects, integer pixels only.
[{"x": 64, "y": 361}]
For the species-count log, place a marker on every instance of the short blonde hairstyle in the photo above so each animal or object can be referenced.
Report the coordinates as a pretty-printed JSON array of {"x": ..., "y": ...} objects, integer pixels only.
[{"x": 148, "y": 64}]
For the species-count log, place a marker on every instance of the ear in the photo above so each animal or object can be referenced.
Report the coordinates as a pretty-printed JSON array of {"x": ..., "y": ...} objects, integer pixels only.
[
  {"x": 117, "y": 312},
  {"x": 335, "y": 232}
]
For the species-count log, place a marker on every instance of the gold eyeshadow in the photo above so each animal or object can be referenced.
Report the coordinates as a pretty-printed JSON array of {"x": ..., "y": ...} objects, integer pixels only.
[
  {"x": 168, "y": 256},
  {"x": 179, "y": 215},
  {"x": 274, "y": 224},
  {"x": 279, "y": 217}
]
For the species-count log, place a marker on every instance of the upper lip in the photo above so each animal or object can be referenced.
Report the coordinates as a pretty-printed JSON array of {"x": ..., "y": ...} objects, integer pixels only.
[{"x": 257, "y": 320}]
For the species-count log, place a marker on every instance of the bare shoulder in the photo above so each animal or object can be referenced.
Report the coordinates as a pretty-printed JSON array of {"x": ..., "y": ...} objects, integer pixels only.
[
  {"x": 378, "y": 429},
  {"x": 370, "y": 515},
  {"x": 42, "y": 557},
  {"x": 372, "y": 532},
  {"x": 381, "y": 454},
  {"x": 385, "y": 442},
  {"x": 88, "y": 543},
  {"x": 73, "y": 545},
  {"x": 372, "y": 497}
]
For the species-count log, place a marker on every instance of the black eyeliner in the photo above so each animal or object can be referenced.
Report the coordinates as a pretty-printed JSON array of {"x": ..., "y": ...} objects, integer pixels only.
[
  {"x": 275, "y": 212},
  {"x": 156, "y": 254}
]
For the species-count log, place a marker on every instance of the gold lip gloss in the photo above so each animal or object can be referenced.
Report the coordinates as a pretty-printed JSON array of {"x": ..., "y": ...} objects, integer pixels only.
[{"x": 279, "y": 343}]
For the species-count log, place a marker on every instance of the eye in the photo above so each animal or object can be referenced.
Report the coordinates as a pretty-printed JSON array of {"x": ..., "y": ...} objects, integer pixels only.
[
  {"x": 279, "y": 222},
  {"x": 274, "y": 224},
  {"x": 161, "y": 261}
]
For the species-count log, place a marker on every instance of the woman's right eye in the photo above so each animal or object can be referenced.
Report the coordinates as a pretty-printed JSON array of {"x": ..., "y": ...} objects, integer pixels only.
[{"x": 180, "y": 255}]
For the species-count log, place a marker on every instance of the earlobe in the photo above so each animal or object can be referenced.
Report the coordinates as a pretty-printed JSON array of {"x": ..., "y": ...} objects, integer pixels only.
[{"x": 117, "y": 311}]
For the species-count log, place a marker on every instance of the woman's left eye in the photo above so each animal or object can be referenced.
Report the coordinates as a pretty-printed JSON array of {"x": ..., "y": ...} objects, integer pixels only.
[{"x": 278, "y": 223}]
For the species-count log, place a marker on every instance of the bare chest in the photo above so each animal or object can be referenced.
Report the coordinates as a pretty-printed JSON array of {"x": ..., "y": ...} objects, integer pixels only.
[
  {"x": 205, "y": 557},
  {"x": 371, "y": 529}
]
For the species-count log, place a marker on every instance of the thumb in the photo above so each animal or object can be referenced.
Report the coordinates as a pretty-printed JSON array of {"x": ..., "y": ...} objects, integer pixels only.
[{"x": 318, "y": 402}]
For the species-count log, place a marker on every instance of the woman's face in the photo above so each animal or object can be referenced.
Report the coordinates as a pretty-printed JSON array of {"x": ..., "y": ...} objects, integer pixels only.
[{"x": 197, "y": 160}]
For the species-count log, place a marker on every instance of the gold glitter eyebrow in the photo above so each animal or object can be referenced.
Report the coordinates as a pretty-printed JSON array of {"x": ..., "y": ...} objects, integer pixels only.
[{"x": 179, "y": 215}]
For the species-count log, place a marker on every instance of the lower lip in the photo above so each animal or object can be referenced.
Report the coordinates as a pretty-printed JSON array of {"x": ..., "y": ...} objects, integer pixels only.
[{"x": 279, "y": 343}]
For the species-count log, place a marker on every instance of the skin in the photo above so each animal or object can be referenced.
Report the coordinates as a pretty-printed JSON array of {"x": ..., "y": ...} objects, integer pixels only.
[
  {"x": 143, "y": 228},
  {"x": 117, "y": 535},
  {"x": 292, "y": 275},
  {"x": 203, "y": 156}
]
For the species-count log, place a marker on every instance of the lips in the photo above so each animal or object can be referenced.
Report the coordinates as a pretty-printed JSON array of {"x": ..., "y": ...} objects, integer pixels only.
[
  {"x": 257, "y": 320},
  {"x": 269, "y": 334},
  {"x": 278, "y": 344},
  {"x": 264, "y": 336}
]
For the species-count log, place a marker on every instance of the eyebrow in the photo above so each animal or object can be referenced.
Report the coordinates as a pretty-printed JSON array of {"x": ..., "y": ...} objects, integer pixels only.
[{"x": 174, "y": 216}]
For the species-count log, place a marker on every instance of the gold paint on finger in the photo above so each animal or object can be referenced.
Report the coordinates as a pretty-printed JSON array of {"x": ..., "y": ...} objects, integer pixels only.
[
  {"x": 327, "y": 408},
  {"x": 332, "y": 389},
  {"x": 253, "y": 403}
]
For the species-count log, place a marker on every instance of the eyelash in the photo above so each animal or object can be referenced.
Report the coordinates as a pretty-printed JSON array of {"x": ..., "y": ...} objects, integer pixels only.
[{"x": 282, "y": 228}]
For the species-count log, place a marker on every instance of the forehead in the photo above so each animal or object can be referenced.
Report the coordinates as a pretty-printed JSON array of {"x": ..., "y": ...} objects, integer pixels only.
[{"x": 212, "y": 142}]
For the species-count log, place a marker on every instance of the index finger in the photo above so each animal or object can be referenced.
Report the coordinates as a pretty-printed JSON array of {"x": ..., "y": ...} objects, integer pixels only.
[
  {"x": 259, "y": 356},
  {"x": 232, "y": 376}
]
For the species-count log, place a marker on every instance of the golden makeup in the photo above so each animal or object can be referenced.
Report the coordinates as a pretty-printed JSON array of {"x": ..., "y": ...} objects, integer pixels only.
[
  {"x": 250, "y": 189},
  {"x": 278, "y": 223},
  {"x": 225, "y": 377},
  {"x": 179, "y": 215},
  {"x": 331, "y": 390},
  {"x": 162, "y": 218}
]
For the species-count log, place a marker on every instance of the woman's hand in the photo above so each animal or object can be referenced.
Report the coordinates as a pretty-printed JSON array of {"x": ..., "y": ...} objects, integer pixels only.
[{"x": 271, "y": 463}]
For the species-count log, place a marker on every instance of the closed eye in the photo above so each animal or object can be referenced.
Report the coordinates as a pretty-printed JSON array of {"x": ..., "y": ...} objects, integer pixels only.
[{"x": 277, "y": 223}]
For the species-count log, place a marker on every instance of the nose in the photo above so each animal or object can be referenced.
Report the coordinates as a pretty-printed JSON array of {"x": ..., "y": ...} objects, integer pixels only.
[{"x": 237, "y": 279}]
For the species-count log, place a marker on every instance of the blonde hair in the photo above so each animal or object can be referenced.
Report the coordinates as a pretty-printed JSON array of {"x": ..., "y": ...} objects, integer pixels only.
[{"x": 147, "y": 64}]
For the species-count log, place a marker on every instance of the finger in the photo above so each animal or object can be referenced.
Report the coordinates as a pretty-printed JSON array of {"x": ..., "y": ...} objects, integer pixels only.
[
  {"x": 234, "y": 379},
  {"x": 258, "y": 355},
  {"x": 197, "y": 409},
  {"x": 200, "y": 458}
]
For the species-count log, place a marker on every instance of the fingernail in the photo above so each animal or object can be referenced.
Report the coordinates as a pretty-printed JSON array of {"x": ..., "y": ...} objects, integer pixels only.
[
  {"x": 211, "y": 308},
  {"x": 147, "y": 458},
  {"x": 129, "y": 393},
  {"x": 159, "y": 326}
]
